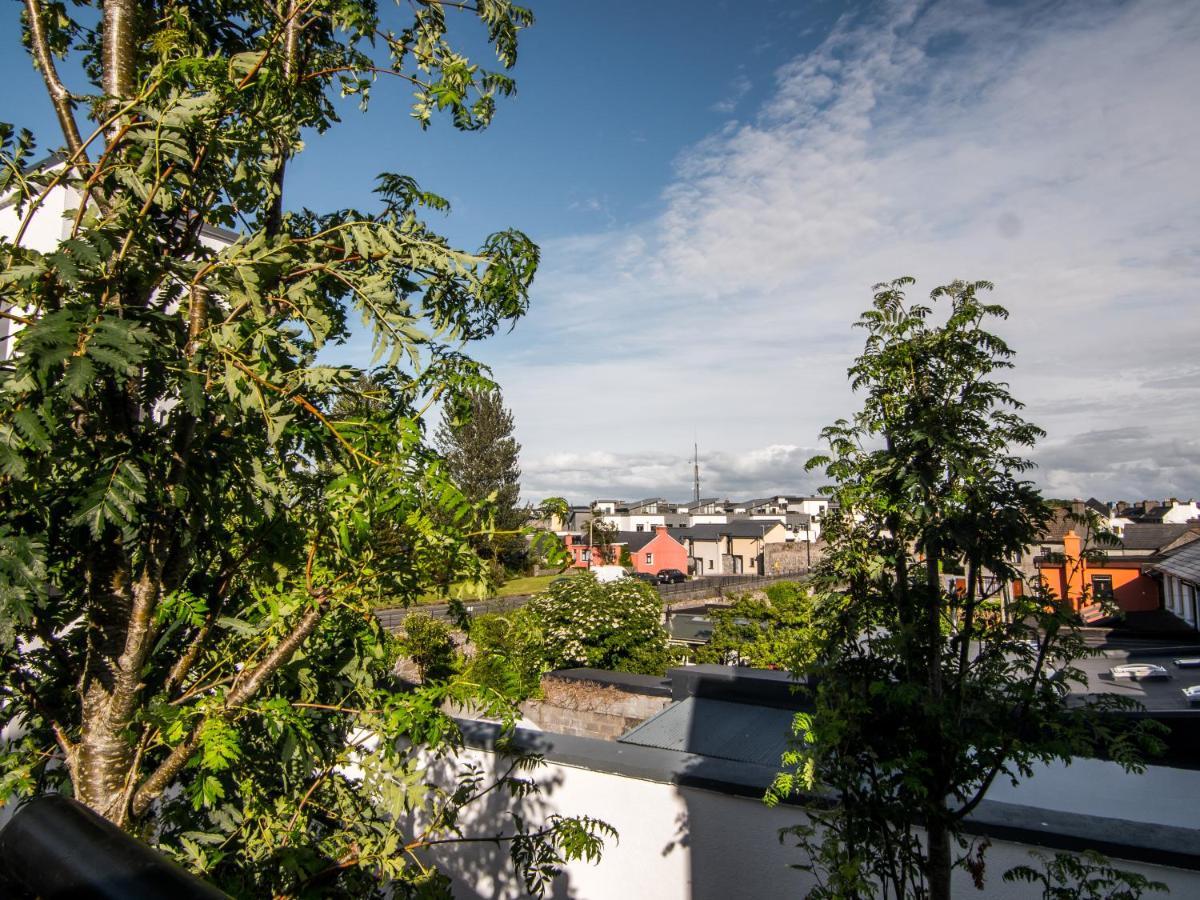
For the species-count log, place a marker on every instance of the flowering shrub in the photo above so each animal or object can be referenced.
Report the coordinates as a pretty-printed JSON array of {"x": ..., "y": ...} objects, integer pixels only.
[{"x": 617, "y": 625}]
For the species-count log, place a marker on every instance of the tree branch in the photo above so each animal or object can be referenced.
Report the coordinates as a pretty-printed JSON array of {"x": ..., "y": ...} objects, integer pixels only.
[
  {"x": 59, "y": 95},
  {"x": 241, "y": 692}
]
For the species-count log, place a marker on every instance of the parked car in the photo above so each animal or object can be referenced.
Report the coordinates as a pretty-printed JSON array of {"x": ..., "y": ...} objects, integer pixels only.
[
  {"x": 671, "y": 576},
  {"x": 605, "y": 574},
  {"x": 1139, "y": 671},
  {"x": 644, "y": 576}
]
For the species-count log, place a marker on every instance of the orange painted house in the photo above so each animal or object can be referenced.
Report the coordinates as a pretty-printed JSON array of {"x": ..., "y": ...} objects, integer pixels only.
[{"x": 1117, "y": 578}]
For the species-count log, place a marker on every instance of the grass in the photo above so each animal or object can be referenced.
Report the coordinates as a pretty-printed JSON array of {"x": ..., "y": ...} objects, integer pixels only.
[{"x": 511, "y": 588}]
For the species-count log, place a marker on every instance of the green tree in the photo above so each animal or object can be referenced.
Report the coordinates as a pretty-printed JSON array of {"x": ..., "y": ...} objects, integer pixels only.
[
  {"x": 926, "y": 694},
  {"x": 190, "y": 544},
  {"x": 612, "y": 625},
  {"x": 602, "y": 536},
  {"x": 429, "y": 643},
  {"x": 779, "y": 632},
  {"x": 481, "y": 457}
]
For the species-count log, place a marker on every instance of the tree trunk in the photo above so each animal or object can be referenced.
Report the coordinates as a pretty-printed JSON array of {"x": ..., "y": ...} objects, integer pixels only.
[
  {"x": 938, "y": 868},
  {"x": 121, "y": 635}
]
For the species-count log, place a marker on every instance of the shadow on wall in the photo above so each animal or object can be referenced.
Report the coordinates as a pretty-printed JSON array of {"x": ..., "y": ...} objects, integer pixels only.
[{"x": 487, "y": 871}]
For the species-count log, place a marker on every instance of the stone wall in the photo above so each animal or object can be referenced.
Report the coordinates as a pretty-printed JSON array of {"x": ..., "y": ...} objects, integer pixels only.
[{"x": 588, "y": 709}]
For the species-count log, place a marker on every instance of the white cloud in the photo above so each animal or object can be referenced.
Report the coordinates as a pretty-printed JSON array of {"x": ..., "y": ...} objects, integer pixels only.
[
  {"x": 585, "y": 476},
  {"x": 1048, "y": 148},
  {"x": 738, "y": 88}
]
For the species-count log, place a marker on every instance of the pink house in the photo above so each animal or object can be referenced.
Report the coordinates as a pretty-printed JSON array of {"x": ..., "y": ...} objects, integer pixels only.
[{"x": 653, "y": 551}]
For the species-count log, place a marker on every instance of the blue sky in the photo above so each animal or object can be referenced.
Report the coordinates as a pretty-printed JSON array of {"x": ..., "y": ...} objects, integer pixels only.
[{"x": 716, "y": 186}]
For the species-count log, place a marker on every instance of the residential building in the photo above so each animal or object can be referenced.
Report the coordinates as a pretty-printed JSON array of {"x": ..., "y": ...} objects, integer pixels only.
[
  {"x": 1122, "y": 575},
  {"x": 1180, "y": 574},
  {"x": 732, "y": 548},
  {"x": 683, "y": 788},
  {"x": 654, "y": 550},
  {"x": 1172, "y": 512}
]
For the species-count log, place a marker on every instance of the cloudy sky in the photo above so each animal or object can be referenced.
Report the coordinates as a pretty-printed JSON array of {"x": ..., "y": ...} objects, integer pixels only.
[{"x": 716, "y": 187}]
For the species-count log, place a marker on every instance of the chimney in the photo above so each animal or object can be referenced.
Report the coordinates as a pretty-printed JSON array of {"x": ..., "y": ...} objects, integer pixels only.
[
  {"x": 1148, "y": 505},
  {"x": 1172, "y": 503},
  {"x": 1078, "y": 507},
  {"x": 1121, "y": 506},
  {"x": 660, "y": 529}
]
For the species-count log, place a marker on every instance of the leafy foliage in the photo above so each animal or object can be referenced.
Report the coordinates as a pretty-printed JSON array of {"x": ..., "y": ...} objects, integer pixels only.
[
  {"x": 615, "y": 625},
  {"x": 1088, "y": 876},
  {"x": 927, "y": 694},
  {"x": 777, "y": 633},
  {"x": 429, "y": 643},
  {"x": 510, "y": 654},
  {"x": 197, "y": 513}
]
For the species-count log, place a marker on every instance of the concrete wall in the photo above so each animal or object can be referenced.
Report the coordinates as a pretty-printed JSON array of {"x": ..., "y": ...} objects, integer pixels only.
[{"x": 687, "y": 843}]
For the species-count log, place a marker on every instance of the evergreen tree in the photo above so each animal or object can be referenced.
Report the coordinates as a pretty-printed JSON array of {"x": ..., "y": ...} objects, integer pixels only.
[{"x": 481, "y": 458}]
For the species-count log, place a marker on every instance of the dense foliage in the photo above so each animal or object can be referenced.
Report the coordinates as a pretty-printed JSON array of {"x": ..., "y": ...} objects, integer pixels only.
[
  {"x": 928, "y": 694},
  {"x": 777, "y": 632},
  {"x": 510, "y": 654},
  {"x": 196, "y": 513},
  {"x": 615, "y": 625},
  {"x": 429, "y": 643}
]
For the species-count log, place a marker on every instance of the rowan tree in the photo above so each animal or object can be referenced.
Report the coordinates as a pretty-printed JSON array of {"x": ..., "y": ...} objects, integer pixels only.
[
  {"x": 927, "y": 694},
  {"x": 191, "y": 538}
]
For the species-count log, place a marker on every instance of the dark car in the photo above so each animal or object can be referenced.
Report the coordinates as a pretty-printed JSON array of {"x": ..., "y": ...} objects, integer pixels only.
[
  {"x": 671, "y": 576},
  {"x": 644, "y": 576}
]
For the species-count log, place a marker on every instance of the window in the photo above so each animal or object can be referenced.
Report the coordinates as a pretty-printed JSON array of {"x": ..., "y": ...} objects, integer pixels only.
[
  {"x": 641, "y": 528},
  {"x": 649, "y": 559},
  {"x": 710, "y": 565},
  {"x": 1102, "y": 588}
]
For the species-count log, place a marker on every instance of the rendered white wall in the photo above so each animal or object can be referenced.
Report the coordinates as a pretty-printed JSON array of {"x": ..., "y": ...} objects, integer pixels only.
[{"x": 689, "y": 844}]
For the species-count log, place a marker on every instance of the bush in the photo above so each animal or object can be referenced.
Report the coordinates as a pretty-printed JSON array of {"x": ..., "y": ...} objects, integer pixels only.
[
  {"x": 510, "y": 654},
  {"x": 429, "y": 643},
  {"x": 616, "y": 626},
  {"x": 773, "y": 634}
]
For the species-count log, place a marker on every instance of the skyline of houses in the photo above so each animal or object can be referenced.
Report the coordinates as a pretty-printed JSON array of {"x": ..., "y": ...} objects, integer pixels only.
[{"x": 1149, "y": 562}]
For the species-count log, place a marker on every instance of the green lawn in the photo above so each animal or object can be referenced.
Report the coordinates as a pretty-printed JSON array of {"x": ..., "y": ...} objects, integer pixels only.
[{"x": 511, "y": 588}]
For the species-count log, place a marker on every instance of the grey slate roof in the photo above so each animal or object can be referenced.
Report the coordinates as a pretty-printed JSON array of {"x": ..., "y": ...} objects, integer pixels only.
[
  {"x": 1183, "y": 563},
  {"x": 635, "y": 540},
  {"x": 1151, "y": 536},
  {"x": 718, "y": 728},
  {"x": 740, "y": 528}
]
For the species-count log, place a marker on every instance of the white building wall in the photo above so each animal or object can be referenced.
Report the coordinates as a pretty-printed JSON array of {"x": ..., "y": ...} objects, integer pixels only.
[
  {"x": 707, "y": 552},
  {"x": 682, "y": 843},
  {"x": 46, "y": 229},
  {"x": 1179, "y": 513},
  {"x": 635, "y": 522}
]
